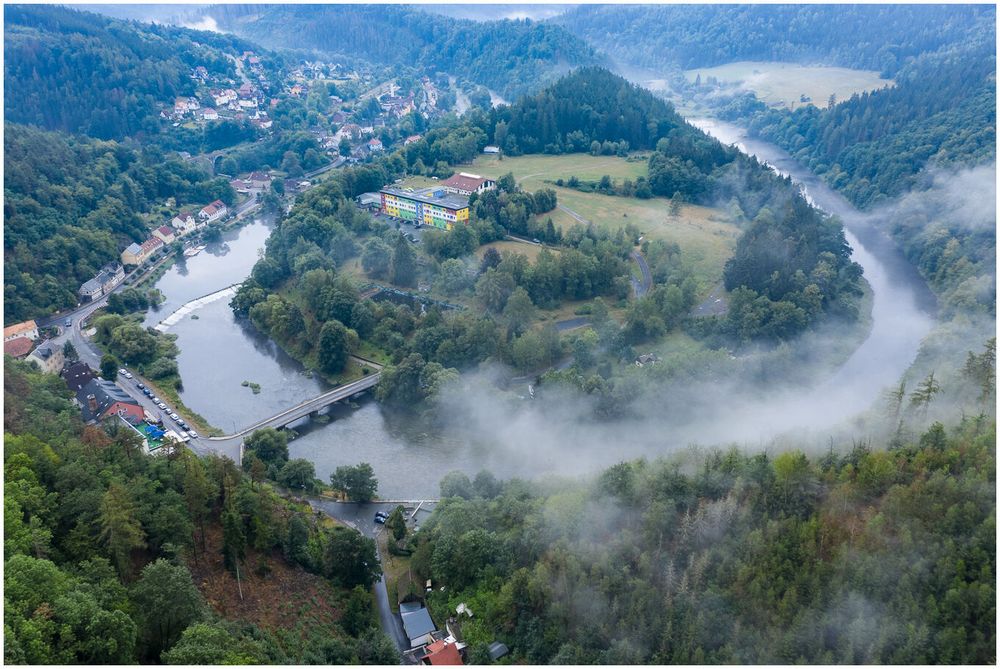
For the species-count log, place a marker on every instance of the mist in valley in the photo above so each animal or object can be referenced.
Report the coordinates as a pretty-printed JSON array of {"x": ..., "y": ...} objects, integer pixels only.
[{"x": 830, "y": 388}]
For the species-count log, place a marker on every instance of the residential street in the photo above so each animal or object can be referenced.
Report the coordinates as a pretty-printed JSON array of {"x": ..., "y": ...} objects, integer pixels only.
[{"x": 360, "y": 517}]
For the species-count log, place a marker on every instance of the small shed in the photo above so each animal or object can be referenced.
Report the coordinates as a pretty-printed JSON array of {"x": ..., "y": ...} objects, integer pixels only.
[{"x": 497, "y": 650}]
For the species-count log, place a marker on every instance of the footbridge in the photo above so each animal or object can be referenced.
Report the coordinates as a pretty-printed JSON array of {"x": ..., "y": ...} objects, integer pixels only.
[{"x": 303, "y": 409}]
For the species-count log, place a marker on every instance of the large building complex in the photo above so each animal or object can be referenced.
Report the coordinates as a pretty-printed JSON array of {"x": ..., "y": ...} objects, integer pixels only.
[{"x": 426, "y": 206}]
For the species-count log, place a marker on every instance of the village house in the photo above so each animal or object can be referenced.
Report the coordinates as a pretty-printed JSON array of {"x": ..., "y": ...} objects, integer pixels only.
[
  {"x": 103, "y": 282},
  {"x": 77, "y": 375},
  {"x": 223, "y": 98},
  {"x": 375, "y": 144},
  {"x": 411, "y": 139},
  {"x": 101, "y": 399},
  {"x": 646, "y": 359},
  {"x": 296, "y": 185},
  {"x": 245, "y": 92},
  {"x": 417, "y": 623},
  {"x": 262, "y": 123},
  {"x": 491, "y": 149},
  {"x": 49, "y": 358},
  {"x": 444, "y": 651},
  {"x": 351, "y": 130},
  {"x": 184, "y": 222},
  {"x": 259, "y": 180},
  {"x": 209, "y": 114},
  {"x": 27, "y": 329},
  {"x": 165, "y": 234},
  {"x": 213, "y": 212},
  {"x": 241, "y": 186},
  {"x": 18, "y": 347},
  {"x": 137, "y": 254},
  {"x": 464, "y": 183},
  {"x": 200, "y": 73}
]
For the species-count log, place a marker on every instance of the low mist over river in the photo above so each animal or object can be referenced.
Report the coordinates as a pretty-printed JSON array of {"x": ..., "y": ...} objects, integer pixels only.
[{"x": 218, "y": 354}]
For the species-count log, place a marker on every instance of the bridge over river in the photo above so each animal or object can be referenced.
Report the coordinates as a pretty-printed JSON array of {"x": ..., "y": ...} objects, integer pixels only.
[{"x": 303, "y": 409}]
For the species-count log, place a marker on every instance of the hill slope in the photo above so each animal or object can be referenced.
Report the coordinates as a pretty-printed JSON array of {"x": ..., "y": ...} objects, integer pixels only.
[
  {"x": 511, "y": 57},
  {"x": 84, "y": 73}
]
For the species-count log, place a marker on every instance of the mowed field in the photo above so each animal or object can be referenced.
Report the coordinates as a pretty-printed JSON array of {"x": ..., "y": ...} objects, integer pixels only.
[
  {"x": 524, "y": 248},
  {"x": 704, "y": 234},
  {"x": 781, "y": 84}
]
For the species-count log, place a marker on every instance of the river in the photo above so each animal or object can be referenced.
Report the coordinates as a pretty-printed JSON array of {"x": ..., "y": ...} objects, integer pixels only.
[
  {"x": 217, "y": 354},
  {"x": 903, "y": 307}
]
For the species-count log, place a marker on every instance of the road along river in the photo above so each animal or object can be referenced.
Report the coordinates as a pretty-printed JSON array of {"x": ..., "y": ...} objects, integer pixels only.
[{"x": 218, "y": 353}]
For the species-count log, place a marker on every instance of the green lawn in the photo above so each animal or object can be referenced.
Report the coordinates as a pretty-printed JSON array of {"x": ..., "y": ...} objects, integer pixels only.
[
  {"x": 781, "y": 84},
  {"x": 704, "y": 234},
  {"x": 533, "y": 171}
]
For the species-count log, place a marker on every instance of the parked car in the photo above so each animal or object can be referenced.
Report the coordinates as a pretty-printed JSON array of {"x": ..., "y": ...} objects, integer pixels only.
[
  {"x": 128, "y": 375},
  {"x": 380, "y": 519},
  {"x": 139, "y": 386},
  {"x": 122, "y": 372},
  {"x": 175, "y": 417},
  {"x": 156, "y": 400},
  {"x": 162, "y": 406},
  {"x": 194, "y": 435},
  {"x": 147, "y": 392},
  {"x": 68, "y": 322}
]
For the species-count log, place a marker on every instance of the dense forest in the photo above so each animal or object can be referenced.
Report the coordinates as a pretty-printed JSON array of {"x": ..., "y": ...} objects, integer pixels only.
[
  {"x": 869, "y": 556},
  {"x": 589, "y": 105},
  {"x": 83, "y": 73},
  {"x": 511, "y": 57},
  {"x": 72, "y": 203},
  {"x": 102, "y": 545},
  {"x": 873, "y": 146},
  {"x": 871, "y": 37}
]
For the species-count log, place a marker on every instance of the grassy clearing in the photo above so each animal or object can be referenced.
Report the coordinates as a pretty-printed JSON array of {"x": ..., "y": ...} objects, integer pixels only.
[
  {"x": 781, "y": 84},
  {"x": 524, "y": 248},
  {"x": 704, "y": 234},
  {"x": 534, "y": 171}
]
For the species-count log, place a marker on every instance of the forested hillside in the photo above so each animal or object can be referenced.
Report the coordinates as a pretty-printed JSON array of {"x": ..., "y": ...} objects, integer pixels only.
[
  {"x": 511, "y": 57},
  {"x": 72, "y": 203},
  {"x": 873, "y": 146},
  {"x": 589, "y": 105},
  {"x": 868, "y": 557},
  {"x": 83, "y": 73},
  {"x": 101, "y": 541},
  {"x": 876, "y": 37}
]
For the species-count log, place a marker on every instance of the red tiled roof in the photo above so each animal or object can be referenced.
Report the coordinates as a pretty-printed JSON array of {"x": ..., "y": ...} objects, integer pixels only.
[
  {"x": 19, "y": 328},
  {"x": 18, "y": 347},
  {"x": 165, "y": 230},
  {"x": 441, "y": 652},
  {"x": 462, "y": 182},
  {"x": 151, "y": 244}
]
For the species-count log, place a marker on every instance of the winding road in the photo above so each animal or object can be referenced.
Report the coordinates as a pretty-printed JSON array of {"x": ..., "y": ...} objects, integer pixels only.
[{"x": 641, "y": 287}]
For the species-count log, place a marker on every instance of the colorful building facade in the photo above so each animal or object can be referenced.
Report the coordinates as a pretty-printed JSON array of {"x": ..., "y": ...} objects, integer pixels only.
[{"x": 427, "y": 206}]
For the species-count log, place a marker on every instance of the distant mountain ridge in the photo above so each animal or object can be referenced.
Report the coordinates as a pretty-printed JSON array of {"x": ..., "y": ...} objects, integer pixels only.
[
  {"x": 878, "y": 37},
  {"x": 512, "y": 57}
]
